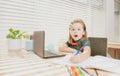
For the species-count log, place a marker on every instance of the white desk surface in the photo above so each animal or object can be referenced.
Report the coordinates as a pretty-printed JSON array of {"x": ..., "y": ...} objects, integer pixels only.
[{"x": 29, "y": 64}]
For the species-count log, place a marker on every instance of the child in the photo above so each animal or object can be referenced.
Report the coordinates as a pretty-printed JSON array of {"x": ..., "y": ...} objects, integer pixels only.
[{"x": 78, "y": 44}]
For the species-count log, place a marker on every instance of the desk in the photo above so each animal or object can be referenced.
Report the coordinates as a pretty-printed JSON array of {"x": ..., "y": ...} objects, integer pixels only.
[
  {"x": 29, "y": 64},
  {"x": 115, "y": 46}
]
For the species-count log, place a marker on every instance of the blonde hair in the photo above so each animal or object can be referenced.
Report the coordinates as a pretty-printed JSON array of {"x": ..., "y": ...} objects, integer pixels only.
[{"x": 84, "y": 28}]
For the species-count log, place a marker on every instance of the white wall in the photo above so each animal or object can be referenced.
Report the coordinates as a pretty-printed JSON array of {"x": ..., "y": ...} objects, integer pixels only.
[
  {"x": 117, "y": 20},
  {"x": 110, "y": 25}
]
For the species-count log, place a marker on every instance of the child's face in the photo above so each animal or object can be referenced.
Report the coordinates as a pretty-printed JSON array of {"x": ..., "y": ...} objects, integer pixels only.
[{"x": 76, "y": 31}]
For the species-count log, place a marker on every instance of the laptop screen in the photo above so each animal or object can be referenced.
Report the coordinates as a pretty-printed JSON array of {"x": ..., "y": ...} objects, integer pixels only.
[
  {"x": 39, "y": 43},
  {"x": 39, "y": 46},
  {"x": 50, "y": 42}
]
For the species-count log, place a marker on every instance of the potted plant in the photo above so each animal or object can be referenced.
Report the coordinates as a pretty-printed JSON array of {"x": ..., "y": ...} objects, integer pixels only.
[{"x": 15, "y": 39}]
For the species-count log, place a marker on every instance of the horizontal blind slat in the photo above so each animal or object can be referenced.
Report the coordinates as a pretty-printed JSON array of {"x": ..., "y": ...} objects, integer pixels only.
[{"x": 53, "y": 16}]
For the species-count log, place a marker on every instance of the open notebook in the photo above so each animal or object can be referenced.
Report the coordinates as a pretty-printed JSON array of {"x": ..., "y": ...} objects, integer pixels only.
[{"x": 98, "y": 62}]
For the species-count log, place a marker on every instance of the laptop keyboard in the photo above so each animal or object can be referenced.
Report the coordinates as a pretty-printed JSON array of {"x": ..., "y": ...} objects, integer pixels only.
[{"x": 49, "y": 53}]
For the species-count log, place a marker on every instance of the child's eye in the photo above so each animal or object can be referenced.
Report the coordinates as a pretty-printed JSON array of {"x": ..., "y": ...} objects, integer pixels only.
[
  {"x": 73, "y": 29},
  {"x": 78, "y": 29}
]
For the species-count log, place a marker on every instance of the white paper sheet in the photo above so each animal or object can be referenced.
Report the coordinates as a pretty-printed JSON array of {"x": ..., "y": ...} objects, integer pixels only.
[{"x": 99, "y": 62}]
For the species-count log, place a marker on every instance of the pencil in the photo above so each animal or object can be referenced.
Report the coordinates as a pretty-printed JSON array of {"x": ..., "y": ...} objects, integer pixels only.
[
  {"x": 96, "y": 71},
  {"x": 78, "y": 52},
  {"x": 68, "y": 70},
  {"x": 86, "y": 71}
]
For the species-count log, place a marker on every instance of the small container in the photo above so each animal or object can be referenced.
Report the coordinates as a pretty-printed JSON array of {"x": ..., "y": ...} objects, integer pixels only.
[{"x": 29, "y": 45}]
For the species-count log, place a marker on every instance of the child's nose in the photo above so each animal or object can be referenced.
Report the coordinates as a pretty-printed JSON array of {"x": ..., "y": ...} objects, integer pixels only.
[{"x": 75, "y": 31}]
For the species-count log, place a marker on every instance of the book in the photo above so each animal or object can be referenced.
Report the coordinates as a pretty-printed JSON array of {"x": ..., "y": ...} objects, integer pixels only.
[{"x": 98, "y": 62}]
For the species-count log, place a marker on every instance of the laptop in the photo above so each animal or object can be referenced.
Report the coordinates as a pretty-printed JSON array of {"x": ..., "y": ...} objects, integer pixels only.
[{"x": 39, "y": 46}]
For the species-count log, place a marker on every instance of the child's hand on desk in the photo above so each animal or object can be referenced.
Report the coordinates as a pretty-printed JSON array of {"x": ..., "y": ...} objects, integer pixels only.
[
  {"x": 75, "y": 59},
  {"x": 79, "y": 57}
]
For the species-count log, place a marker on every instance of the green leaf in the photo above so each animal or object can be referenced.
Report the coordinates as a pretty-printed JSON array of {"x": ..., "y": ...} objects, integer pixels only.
[
  {"x": 15, "y": 34},
  {"x": 11, "y": 29}
]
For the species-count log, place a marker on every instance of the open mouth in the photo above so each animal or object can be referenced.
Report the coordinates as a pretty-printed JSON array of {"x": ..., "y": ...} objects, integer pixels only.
[{"x": 75, "y": 35}]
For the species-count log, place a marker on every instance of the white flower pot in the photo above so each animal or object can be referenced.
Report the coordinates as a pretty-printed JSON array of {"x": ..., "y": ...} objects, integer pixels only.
[{"x": 14, "y": 44}]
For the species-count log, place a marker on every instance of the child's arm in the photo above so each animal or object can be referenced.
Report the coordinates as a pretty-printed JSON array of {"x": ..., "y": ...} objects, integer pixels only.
[
  {"x": 81, "y": 57},
  {"x": 65, "y": 48}
]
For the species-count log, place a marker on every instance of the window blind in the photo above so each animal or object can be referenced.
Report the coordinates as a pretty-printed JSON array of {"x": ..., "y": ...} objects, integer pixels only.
[{"x": 53, "y": 16}]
